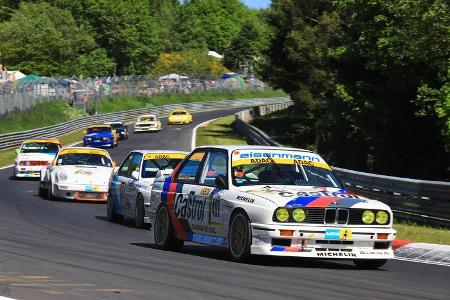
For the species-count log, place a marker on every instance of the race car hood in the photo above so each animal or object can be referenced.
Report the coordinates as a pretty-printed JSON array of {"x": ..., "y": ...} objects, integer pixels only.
[
  {"x": 314, "y": 197},
  {"x": 36, "y": 157},
  {"x": 87, "y": 174},
  {"x": 98, "y": 135}
]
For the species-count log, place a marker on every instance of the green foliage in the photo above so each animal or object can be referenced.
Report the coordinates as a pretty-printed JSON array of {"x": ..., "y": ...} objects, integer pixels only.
[
  {"x": 45, "y": 40},
  {"x": 369, "y": 80},
  {"x": 219, "y": 132},
  {"x": 191, "y": 62}
]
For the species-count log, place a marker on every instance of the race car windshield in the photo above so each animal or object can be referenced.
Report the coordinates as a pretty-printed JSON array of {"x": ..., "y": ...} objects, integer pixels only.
[
  {"x": 98, "y": 129},
  {"x": 73, "y": 159},
  {"x": 117, "y": 126},
  {"x": 151, "y": 166},
  {"x": 179, "y": 113},
  {"x": 48, "y": 148},
  {"x": 283, "y": 174},
  {"x": 146, "y": 119}
]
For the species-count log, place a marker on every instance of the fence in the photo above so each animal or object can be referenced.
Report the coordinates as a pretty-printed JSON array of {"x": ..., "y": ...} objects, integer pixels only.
[
  {"x": 27, "y": 92},
  {"x": 418, "y": 200},
  {"x": 14, "y": 139}
]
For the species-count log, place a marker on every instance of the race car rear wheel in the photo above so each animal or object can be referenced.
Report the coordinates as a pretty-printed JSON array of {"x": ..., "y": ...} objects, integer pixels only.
[
  {"x": 110, "y": 210},
  {"x": 239, "y": 236},
  {"x": 163, "y": 231},
  {"x": 139, "y": 212},
  {"x": 369, "y": 264}
]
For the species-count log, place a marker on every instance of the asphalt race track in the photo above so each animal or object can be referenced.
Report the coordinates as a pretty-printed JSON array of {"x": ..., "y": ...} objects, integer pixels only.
[{"x": 66, "y": 250}]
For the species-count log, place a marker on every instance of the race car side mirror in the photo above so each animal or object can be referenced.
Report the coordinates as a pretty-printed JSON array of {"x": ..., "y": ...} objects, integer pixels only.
[
  {"x": 135, "y": 175},
  {"x": 221, "y": 182},
  {"x": 54, "y": 162},
  {"x": 17, "y": 151},
  {"x": 114, "y": 164}
]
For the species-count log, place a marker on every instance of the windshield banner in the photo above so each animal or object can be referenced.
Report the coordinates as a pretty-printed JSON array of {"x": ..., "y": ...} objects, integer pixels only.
[
  {"x": 149, "y": 156},
  {"x": 248, "y": 157},
  {"x": 83, "y": 151}
]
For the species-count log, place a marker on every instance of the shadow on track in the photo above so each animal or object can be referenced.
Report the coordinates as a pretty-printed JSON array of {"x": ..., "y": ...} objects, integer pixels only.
[{"x": 221, "y": 254}]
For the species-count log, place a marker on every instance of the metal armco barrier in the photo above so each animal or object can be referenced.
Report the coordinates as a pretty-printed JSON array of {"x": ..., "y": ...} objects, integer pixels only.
[
  {"x": 11, "y": 140},
  {"x": 417, "y": 200}
]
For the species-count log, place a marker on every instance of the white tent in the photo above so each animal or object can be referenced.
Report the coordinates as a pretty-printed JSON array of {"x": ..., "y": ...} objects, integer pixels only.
[
  {"x": 215, "y": 54},
  {"x": 173, "y": 77}
]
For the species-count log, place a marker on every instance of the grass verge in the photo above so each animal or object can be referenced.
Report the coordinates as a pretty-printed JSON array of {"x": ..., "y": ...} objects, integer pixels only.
[
  {"x": 219, "y": 132},
  {"x": 7, "y": 156},
  {"x": 421, "y": 233},
  {"x": 133, "y": 102}
]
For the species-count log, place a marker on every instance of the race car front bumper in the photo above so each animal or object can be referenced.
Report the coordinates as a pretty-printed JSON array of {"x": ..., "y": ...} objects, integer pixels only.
[
  {"x": 99, "y": 144},
  {"x": 80, "y": 192},
  {"x": 28, "y": 171},
  {"x": 323, "y": 242},
  {"x": 146, "y": 128}
]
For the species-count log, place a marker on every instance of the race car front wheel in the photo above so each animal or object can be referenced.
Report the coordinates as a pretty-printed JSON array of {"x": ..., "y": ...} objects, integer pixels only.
[
  {"x": 163, "y": 231},
  {"x": 110, "y": 210},
  {"x": 239, "y": 236},
  {"x": 42, "y": 190},
  {"x": 50, "y": 192},
  {"x": 369, "y": 264}
]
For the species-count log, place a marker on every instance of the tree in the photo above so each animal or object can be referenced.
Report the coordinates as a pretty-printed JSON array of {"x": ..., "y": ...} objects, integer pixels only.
[{"x": 45, "y": 40}]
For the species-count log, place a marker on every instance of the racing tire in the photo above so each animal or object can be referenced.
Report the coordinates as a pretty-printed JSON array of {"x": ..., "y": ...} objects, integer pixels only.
[
  {"x": 111, "y": 214},
  {"x": 50, "y": 192},
  {"x": 369, "y": 264},
  {"x": 42, "y": 191},
  {"x": 139, "y": 212},
  {"x": 239, "y": 237},
  {"x": 163, "y": 232}
]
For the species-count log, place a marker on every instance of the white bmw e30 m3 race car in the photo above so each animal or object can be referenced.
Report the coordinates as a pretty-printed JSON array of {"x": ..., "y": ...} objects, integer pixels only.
[
  {"x": 77, "y": 173},
  {"x": 268, "y": 201},
  {"x": 130, "y": 186}
]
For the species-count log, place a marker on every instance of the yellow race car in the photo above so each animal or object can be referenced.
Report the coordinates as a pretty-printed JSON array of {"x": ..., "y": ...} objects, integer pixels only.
[{"x": 179, "y": 116}]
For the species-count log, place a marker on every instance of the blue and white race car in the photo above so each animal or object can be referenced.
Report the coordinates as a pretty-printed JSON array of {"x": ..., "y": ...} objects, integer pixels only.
[
  {"x": 268, "y": 201},
  {"x": 130, "y": 187}
]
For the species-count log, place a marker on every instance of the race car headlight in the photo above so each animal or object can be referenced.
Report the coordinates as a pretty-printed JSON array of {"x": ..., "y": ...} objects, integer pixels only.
[
  {"x": 105, "y": 138},
  {"x": 382, "y": 217},
  {"x": 89, "y": 139},
  {"x": 62, "y": 176},
  {"x": 368, "y": 217},
  {"x": 299, "y": 215},
  {"x": 282, "y": 214}
]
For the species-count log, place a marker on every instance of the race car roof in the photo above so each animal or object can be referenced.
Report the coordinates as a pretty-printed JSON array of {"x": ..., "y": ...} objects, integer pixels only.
[
  {"x": 51, "y": 140},
  {"x": 99, "y": 125},
  {"x": 178, "y": 110},
  {"x": 84, "y": 150},
  {"x": 231, "y": 148},
  {"x": 147, "y": 116},
  {"x": 160, "y": 151}
]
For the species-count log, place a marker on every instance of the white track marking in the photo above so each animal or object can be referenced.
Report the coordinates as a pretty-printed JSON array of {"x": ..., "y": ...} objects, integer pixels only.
[{"x": 194, "y": 133}]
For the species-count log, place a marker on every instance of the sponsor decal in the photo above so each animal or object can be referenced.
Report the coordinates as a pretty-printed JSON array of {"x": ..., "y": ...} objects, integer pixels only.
[
  {"x": 374, "y": 252},
  {"x": 338, "y": 234},
  {"x": 205, "y": 191},
  {"x": 245, "y": 199},
  {"x": 307, "y": 159},
  {"x": 336, "y": 254},
  {"x": 83, "y": 172},
  {"x": 190, "y": 207},
  {"x": 340, "y": 194},
  {"x": 149, "y": 156}
]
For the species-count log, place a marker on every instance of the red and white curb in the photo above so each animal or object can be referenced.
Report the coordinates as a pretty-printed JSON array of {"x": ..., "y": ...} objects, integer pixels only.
[{"x": 422, "y": 252}]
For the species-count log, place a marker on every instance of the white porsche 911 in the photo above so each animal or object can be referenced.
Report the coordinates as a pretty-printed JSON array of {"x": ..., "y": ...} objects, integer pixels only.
[
  {"x": 77, "y": 173},
  {"x": 130, "y": 187},
  {"x": 268, "y": 201}
]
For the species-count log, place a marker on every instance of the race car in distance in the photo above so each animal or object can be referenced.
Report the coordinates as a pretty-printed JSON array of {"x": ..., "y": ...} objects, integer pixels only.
[
  {"x": 100, "y": 136},
  {"x": 268, "y": 201},
  {"x": 33, "y": 155},
  {"x": 129, "y": 192},
  {"x": 147, "y": 123},
  {"x": 120, "y": 128},
  {"x": 179, "y": 116},
  {"x": 77, "y": 173}
]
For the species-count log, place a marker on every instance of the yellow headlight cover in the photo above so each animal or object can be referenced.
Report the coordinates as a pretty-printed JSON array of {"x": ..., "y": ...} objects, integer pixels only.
[
  {"x": 299, "y": 215},
  {"x": 282, "y": 214}
]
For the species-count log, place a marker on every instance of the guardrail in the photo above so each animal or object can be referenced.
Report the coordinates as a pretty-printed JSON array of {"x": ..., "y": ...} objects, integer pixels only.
[
  {"x": 417, "y": 200},
  {"x": 11, "y": 140}
]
